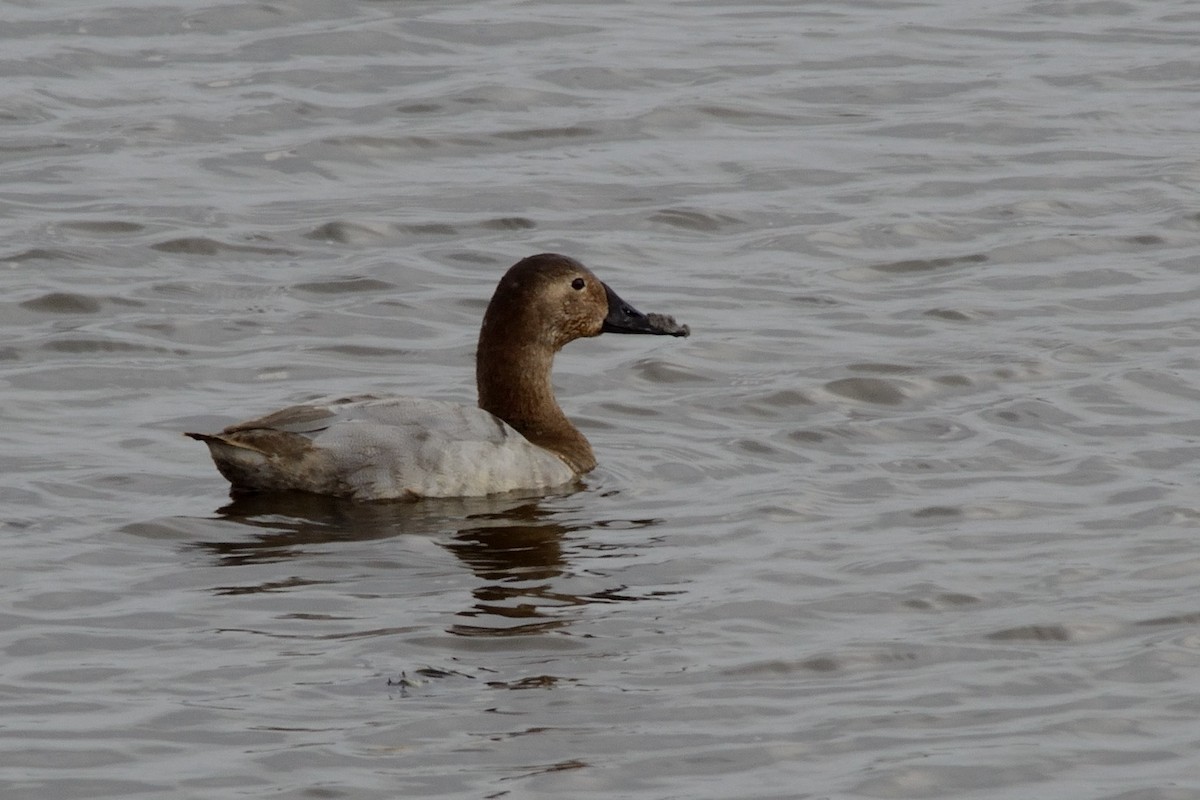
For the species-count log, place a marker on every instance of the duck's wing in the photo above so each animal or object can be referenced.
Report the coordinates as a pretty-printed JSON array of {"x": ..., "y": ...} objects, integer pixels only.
[
  {"x": 374, "y": 448},
  {"x": 312, "y": 418}
]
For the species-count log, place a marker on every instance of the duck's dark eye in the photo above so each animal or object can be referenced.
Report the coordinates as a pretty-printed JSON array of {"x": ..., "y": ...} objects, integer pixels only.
[{"x": 578, "y": 284}]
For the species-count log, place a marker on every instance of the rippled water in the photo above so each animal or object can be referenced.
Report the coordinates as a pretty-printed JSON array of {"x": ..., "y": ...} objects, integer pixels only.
[{"x": 912, "y": 513}]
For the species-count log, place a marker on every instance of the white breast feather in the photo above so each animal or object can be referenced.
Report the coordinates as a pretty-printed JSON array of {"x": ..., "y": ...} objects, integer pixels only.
[{"x": 405, "y": 446}]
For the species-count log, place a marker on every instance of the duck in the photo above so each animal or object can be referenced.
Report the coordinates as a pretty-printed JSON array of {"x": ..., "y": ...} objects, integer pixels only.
[{"x": 517, "y": 439}]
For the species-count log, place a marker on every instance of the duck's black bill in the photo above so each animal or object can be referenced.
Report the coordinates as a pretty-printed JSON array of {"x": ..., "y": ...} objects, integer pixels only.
[{"x": 624, "y": 318}]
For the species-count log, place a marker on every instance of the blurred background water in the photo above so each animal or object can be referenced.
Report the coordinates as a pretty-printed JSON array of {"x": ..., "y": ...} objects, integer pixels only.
[{"x": 911, "y": 514}]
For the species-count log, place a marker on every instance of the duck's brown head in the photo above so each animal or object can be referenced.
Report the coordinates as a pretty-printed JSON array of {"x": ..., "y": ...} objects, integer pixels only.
[{"x": 553, "y": 299}]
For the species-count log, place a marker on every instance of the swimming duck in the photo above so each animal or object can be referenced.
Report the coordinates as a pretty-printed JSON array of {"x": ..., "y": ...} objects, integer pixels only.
[{"x": 405, "y": 448}]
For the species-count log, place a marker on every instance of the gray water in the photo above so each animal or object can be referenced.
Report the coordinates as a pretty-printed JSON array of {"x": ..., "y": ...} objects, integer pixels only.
[{"x": 911, "y": 514}]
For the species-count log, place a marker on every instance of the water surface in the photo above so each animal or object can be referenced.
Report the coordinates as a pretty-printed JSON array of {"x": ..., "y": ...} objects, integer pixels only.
[{"x": 911, "y": 514}]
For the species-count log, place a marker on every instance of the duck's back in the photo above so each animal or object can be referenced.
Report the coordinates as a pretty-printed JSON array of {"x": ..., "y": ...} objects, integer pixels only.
[{"x": 380, "y": 448}]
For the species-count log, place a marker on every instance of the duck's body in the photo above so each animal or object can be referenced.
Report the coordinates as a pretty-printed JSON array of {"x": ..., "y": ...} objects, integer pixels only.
[{"x": 384, "y": 448}]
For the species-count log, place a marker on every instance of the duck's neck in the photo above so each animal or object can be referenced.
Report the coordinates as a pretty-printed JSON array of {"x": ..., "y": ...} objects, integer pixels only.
[{"x": 513, "y": 379}]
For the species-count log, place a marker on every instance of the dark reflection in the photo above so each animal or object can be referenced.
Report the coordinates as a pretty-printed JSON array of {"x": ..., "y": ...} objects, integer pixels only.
[
  {"x": 284, "y": 523},
  {"x": 515, "y": 546},
  {"x": 524, "y": 542},
  {"x": 516, "y": 554}
]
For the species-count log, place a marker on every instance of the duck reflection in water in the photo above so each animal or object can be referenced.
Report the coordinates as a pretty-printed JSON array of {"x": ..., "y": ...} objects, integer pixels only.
[
  {"x": 514, "y": 546},
  {"x": 517, "y": 555}
]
